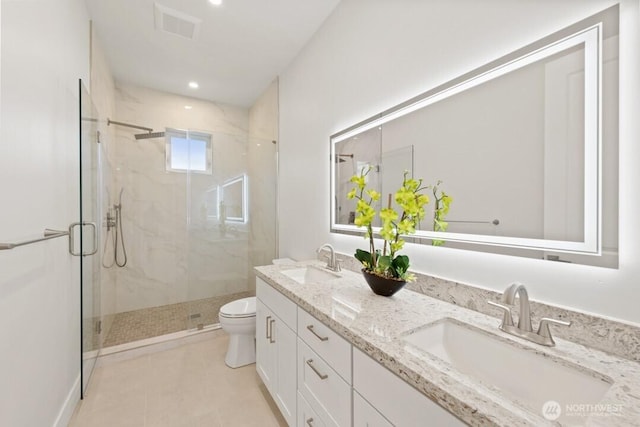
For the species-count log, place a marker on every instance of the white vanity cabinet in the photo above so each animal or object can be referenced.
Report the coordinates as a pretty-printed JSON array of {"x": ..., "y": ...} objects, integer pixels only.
[
  {"x": 318, "y": 379},
  {"x": 399, "y": 403},
  {"x": 276, "y": 347}
]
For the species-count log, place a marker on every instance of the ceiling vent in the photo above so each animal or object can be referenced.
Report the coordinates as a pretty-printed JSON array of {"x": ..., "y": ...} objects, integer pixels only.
[{"x": 175, "y": 22}]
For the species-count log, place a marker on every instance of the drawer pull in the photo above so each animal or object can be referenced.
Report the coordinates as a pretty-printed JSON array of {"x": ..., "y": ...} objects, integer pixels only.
[
  {"x": 267, "y": 328},
  {"x": 313, "y": 368},
  {"x": 271, "y": 337},
  {"x": 310, "y": 328},
  {"x": 310, "y": 422}
]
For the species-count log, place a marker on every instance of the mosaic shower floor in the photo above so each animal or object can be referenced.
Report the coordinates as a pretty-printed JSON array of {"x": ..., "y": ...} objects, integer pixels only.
[{"x": 155, "y": 321}]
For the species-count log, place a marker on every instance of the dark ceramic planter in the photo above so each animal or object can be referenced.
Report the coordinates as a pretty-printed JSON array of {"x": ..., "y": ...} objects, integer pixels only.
[{"x": 382, "y": 285}]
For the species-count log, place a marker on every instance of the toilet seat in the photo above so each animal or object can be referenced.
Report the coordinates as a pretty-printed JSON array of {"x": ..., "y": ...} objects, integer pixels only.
[{"x": 241, "y": 308}]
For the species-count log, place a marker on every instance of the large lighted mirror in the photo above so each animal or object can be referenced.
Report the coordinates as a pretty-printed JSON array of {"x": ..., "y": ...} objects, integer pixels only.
[{"x": 526, "y": 146}]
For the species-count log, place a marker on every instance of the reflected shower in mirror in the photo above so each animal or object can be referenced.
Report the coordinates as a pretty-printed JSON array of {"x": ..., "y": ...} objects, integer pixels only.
[
  {"x": 526, "y": 146},
  {"x": 234, "y": 199},
  {"x": 227, "y": 205}
]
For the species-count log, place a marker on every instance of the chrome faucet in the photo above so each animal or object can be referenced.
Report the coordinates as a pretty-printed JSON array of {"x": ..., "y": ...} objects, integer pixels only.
[
  {"x": 333, "y": 264},
  {"x": 524, "y": 329}
]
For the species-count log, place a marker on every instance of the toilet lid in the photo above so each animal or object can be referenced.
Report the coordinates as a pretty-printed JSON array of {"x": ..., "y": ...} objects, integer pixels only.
[{"x": 245, "y": 307}]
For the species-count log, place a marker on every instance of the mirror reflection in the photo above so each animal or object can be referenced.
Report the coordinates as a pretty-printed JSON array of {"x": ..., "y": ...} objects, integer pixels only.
[
  {"x": 234, "y": 200},
  {"x": 520, "y": 145}
]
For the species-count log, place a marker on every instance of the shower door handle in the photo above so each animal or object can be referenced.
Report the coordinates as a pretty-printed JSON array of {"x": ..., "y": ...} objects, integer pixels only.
[
  {"x": 72, "y": 238},
  {"x": 94, "y": 231}
]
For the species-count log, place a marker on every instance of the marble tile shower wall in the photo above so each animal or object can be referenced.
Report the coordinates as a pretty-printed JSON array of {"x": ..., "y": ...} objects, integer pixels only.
[
  {"x": 263, "y": 148},
  {"x": 175, "y": 254},
  {"x": 103, "y": 96},
  {"x": 108, "y": 185}
]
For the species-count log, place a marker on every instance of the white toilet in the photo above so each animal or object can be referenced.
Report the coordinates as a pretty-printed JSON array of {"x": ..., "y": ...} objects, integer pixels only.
[{"x": 238, "y": 319}]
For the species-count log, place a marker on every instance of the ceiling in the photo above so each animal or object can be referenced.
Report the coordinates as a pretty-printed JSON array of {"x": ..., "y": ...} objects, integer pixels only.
[{"x": 239, "y": 50}]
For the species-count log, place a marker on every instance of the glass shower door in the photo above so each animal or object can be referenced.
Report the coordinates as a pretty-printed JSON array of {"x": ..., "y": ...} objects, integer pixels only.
[
  {"x": 89, "y": 260},
  {"x": 231, "y": 222}
]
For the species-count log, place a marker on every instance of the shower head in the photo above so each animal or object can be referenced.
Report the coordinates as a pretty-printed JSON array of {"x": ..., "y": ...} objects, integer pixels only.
[
  {"x": 340, "y": 157},
  {"x": 149, "y": 135}
]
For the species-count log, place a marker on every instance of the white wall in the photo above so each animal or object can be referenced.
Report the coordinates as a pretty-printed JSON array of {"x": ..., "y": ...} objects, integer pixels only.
[
  {"x": 373, "y": 54},
  {"x": 45, "y": 50}
]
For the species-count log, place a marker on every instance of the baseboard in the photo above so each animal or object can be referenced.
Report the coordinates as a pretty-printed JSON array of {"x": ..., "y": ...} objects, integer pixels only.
[{"x": 69, "y": 406}]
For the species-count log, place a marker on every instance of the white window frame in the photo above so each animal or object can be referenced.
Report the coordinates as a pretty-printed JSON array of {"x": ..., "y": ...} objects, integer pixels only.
[{"x": 189, "y": 135}]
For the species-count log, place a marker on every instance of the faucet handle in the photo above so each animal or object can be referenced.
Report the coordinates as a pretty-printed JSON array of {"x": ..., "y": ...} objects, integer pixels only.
[
  {"x": 507, "y": 320},
  {"x": 330, "y": 261},
  {"x": 543, "y": 329}
]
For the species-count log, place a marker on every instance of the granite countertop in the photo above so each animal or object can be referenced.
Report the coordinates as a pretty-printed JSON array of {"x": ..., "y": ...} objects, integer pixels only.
[{"x": 376, "y": 325}]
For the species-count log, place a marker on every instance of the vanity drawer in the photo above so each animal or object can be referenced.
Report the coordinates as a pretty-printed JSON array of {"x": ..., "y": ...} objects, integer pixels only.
[
  {"x": 325, "y": 391},
  {"x": 330, "y": 346},
  {"x": 307, "y": 417},
  {"x": 365, "y": 415},
  {"x": 408, "y": 407},
  {"x": 282, "y": 306}
]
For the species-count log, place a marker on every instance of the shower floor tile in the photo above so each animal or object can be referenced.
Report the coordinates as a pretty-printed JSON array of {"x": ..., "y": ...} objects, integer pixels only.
[
  {"x": 155, "y": 321},
  {"x": 185, "y": 386}
]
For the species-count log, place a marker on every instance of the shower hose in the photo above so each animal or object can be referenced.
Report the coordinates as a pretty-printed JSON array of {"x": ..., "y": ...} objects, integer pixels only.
[{"x": 119, "y": 250}]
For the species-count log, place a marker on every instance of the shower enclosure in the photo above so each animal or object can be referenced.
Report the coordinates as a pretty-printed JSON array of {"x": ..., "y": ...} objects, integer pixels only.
[
  {"x": 185, "y": 207},
  {"x": 191, "y": 211}
]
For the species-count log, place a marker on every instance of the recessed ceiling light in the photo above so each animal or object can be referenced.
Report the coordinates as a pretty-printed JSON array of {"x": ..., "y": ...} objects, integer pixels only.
[
  {"x": 188, "y": 107},
  {"x": 193, "y": 85},
  {"x": 215, "y": 2}
]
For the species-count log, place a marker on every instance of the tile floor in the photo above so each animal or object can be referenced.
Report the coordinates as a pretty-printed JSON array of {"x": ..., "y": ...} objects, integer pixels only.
[
  {"x": 155, "y": 321},
  {"x": 185, "y": 386}
]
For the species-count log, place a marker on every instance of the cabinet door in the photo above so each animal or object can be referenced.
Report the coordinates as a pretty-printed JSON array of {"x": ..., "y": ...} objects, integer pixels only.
[
  {"x": 365, "y": 415},
  {"x": 264, "y": 350},
  {"x": 283, "y": 341}
]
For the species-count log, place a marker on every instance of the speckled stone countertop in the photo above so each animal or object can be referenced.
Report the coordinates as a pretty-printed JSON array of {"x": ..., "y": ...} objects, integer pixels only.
[{"x": 377, "y": 326}]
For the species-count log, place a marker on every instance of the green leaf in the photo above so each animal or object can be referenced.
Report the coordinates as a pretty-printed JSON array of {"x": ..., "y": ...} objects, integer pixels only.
[
  {"x": 384, "y": 262},
  {"x": 400, "y": 264},
  {"x": 364, "y": 257}
]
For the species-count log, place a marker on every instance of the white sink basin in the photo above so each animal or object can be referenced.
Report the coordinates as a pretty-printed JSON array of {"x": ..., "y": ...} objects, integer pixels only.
[
  {"x": 530, "y": 378},
  {"x": 310, "y": 274}
]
